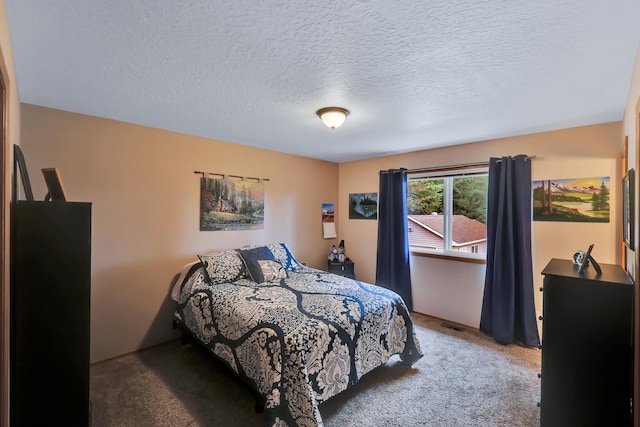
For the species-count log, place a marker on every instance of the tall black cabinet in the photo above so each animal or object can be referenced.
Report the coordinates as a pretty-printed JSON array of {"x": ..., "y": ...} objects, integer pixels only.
[
  {"x": 587, "y": 346},
  {"x": 50, "y": 320}
]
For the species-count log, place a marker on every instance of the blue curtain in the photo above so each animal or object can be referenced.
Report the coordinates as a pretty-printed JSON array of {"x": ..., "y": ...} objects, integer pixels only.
[
  {"x": 392, "y": 267},
  {"x": 508, "y": 307}
]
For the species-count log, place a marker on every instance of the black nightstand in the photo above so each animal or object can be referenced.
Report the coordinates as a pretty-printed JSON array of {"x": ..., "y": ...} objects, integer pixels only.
[{"x": 345, "y": 269}]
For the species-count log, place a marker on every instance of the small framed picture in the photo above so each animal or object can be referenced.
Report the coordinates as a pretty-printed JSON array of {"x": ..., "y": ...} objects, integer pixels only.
[
  {"x": 19, "y": 166},
  {"x": 363, "y": 206},
  {"x": 54, "y": 185}
]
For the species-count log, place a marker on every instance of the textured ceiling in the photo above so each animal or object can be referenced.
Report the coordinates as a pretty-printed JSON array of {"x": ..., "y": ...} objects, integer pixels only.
[{"x": 415, "y": 74}]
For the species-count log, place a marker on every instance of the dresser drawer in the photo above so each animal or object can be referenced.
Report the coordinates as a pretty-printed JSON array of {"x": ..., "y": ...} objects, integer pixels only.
[{"x": 346, "y": 269}]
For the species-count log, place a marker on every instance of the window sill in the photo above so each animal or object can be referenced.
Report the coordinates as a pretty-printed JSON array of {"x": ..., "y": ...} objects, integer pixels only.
[{"x": 448, "y": 256}]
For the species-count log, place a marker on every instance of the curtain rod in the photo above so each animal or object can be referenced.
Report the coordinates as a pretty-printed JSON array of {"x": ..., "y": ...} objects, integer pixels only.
[
  {"x": 534, "y": 157},
  {"x": 458, "y": 166},
  {"x": 227, "y": 176},
  {"x": 461, "y": 166}
]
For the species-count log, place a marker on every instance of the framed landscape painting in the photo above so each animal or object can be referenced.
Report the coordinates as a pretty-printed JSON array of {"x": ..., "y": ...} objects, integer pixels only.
[
  {"x": 363, "y": 206},
  {"x": 227, "y": 204},
  {"x": 571, "y": 200}
]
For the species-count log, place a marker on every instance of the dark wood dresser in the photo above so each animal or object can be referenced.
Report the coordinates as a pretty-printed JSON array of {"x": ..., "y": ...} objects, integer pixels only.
[
  {"x": 587, "y": 346},
  {"x": 50, "y": 305}
]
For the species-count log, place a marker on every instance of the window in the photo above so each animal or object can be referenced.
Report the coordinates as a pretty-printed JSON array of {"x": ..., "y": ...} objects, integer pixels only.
[{"x": 448, "y": 212}]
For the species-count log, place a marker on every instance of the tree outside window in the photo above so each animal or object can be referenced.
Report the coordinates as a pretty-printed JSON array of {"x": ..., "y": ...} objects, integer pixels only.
[{"x": 448, "y": 212}]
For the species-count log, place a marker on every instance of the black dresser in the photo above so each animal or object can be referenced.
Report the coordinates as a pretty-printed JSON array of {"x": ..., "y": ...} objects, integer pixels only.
[
  {"x": 50, "y": 306},
  {"x": 587, "y": 346}
]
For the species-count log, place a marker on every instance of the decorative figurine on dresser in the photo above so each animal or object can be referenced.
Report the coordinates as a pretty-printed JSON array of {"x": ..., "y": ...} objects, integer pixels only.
[
  {"x": 587, "y": 344},
  {"x": 339, "y": 263}
]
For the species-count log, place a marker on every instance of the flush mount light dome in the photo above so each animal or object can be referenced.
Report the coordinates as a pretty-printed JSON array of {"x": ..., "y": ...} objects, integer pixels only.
[{"x": 333, "y": 117}]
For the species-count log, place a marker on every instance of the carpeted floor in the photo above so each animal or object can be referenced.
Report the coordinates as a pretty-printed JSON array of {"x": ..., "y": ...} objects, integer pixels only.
[{"x": 464, "y": 379}]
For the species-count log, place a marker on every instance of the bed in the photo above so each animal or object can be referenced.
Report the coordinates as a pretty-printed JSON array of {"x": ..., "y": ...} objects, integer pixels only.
[{"x": 296, "y": 335}]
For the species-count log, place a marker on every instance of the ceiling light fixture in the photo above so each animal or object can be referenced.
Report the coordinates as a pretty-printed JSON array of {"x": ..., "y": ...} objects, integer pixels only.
[{"x": 333, "y": 117}]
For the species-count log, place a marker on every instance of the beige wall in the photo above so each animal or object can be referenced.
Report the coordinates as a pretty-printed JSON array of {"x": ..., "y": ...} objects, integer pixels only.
[
  {"x": 629, "y": 129},
  {"x": 12, "y": 132},
  {"x": 145, "y": 211},
  {"x": 452, "y": 289},
  {"x": 145, "y": 199}
]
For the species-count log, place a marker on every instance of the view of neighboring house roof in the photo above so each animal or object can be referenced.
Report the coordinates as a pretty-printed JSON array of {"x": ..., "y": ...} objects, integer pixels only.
[{"x": 464, "y": 229}]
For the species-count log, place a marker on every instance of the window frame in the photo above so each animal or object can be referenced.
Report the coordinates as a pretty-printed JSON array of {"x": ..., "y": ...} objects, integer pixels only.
[{"x": 448, "y": 173}]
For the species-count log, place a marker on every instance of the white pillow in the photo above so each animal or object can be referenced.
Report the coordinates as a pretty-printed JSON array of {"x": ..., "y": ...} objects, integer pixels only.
[
  {"x": 177, "y": 287},
  {"x": 272, "y": 271}
]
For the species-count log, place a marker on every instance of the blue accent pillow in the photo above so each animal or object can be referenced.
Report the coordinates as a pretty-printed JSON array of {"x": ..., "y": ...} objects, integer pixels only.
[{"x": 252, "y": 257}]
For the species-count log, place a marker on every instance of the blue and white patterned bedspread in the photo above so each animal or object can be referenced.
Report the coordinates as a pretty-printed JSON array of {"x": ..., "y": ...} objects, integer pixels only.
[{"x": 301, "y": 340}]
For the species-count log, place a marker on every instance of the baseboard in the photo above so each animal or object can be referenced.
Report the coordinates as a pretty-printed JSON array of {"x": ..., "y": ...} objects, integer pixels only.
[{"x": 448, "y": 323}]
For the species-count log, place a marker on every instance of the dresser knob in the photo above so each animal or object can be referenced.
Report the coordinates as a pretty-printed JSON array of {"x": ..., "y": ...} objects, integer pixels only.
[
  {"x": 541, "y": 288},
  {"x": 539, "y": 374},
  {"x": 539, "y": 404},
  {"x": 540, "y": 317}
]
